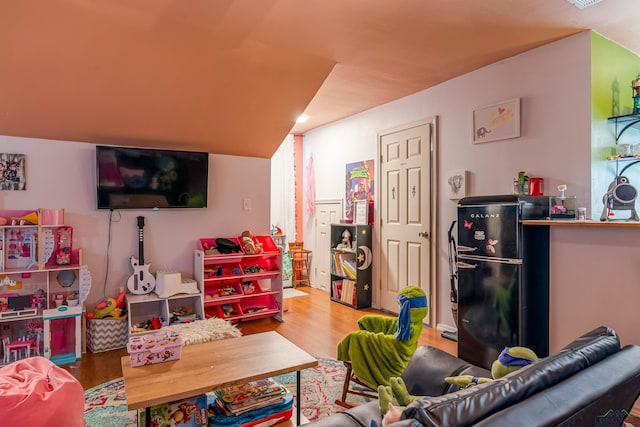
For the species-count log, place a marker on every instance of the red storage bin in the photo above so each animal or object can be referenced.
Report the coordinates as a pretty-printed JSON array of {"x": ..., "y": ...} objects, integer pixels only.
[
  {"x": 227, "y": 311},
  {"x": 264, "y": 303},
  {"x": 259, "y": 266},
  {"x": 223, "y": 291},
  {"x": 209, "y": 247},
  {"x": 222, "y": 271}
]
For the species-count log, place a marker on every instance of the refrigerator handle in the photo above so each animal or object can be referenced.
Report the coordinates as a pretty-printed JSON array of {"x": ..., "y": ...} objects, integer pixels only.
[{"x": 466, "y": 265}]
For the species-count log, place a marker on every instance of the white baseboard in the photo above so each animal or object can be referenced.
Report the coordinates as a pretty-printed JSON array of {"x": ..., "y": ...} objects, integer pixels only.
[{"x": 445, "y": 328}]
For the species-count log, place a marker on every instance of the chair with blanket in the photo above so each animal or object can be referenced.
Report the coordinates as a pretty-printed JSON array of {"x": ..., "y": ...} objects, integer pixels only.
[{"x": 382, "y": 346}]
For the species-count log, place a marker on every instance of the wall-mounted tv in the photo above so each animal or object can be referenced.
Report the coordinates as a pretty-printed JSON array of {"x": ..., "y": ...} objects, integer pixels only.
[{"x": 141, "y": 178}]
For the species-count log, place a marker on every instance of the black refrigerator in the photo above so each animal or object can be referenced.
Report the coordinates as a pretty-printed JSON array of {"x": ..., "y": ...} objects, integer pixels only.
[{"x": 503, "y": 276}]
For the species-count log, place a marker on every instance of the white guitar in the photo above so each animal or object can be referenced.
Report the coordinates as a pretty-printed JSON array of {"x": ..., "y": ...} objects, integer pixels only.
[{"x": 141, "y": 281}]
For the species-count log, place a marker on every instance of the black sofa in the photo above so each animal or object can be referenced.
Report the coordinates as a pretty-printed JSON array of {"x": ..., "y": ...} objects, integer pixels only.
[{"x": 591, "y": 381}]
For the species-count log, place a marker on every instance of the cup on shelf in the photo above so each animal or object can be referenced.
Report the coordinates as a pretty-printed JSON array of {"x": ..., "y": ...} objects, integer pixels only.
[{"x": 623, "y": 150}]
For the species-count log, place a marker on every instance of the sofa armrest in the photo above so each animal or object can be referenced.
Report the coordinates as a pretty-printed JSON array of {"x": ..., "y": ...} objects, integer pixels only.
[{"x": 428, "y": 367}]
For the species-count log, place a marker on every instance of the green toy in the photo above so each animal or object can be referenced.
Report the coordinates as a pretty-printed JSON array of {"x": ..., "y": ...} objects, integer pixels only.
[{"x": 510, "y": 360}]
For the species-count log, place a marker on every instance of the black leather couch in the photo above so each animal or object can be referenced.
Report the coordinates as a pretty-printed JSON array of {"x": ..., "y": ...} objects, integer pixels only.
[{"x": 592, "y": 381}]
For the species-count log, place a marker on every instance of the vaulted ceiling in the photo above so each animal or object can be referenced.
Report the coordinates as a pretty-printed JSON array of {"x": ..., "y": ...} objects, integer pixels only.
[{"x": 231, "y": 76}]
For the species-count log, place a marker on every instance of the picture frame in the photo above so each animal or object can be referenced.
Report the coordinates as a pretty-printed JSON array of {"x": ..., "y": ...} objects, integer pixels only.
[
  {"x": 497, "y": 121},
  {"x": 457, "y": 184},
  {"x": 361, "y": 209}
]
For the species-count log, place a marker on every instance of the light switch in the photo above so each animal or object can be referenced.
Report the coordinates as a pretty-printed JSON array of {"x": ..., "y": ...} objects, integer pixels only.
[{"x": 246, "y": 204}]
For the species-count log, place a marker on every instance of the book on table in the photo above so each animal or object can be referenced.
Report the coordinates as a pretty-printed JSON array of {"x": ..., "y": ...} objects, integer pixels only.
[{"x": 236, "y": 400}]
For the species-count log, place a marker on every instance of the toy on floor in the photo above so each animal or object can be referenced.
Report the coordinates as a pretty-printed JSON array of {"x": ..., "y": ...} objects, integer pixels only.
[
  {"x": 510, "y": 360},
  {"x": 111, "y": 307}
]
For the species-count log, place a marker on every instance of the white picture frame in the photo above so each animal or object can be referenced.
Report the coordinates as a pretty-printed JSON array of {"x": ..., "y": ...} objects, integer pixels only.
[
  {"x": 361, "y": 212},
  {"x": 497, "y": 121},
  {"x": 457, "y": 184}
]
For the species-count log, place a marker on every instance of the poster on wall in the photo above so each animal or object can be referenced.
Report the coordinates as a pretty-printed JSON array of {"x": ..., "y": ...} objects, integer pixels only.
[
  {"x": 12, "y": 172},
  {"x": 359, "y": 186}
]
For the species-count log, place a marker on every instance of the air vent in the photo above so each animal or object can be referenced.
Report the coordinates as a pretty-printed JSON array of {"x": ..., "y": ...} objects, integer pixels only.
[{"x": 581, "y": 4}]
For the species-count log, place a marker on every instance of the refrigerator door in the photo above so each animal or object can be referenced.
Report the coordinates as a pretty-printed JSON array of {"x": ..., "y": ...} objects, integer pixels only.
[
  {"x": 489, "y": 313},
  {"x": 490, "y": 230}
]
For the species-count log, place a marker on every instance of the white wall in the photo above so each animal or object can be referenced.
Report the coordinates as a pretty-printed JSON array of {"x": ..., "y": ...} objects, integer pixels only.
[
  {"x": 61, "y": 174},
  {"x": 553, "y": 83}
]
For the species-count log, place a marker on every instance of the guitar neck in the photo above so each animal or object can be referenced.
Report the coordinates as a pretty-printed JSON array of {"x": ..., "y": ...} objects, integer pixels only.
[{"x": 141, "y": 240}]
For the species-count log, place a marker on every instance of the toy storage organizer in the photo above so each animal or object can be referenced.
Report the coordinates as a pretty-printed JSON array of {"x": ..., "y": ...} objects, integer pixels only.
[{"x": 240, "y": 286}]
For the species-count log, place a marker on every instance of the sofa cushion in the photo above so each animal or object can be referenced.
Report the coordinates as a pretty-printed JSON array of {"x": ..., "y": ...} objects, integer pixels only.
[
  {"x": 604, "y": 392},
  {"x": 468, "y": 406}
]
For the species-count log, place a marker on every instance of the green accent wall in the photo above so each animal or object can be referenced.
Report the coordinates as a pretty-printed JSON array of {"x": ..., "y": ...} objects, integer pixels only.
[{"x": 612, "y": 69}]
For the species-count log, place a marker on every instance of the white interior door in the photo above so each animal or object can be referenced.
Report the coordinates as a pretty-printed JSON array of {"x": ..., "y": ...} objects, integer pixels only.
[
  {"x": 327, "y": 212},
  {"x": 406, "y": 211}
]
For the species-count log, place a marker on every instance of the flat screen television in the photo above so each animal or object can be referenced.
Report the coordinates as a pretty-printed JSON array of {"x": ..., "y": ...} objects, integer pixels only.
[
  {"x": 141, "y": 178},
  {"x": 19, "y": 303}
]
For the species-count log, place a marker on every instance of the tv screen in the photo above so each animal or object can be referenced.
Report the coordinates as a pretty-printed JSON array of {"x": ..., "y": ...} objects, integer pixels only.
[
  {"x": 141, "y": 178},
  {"x": 19, "y": 303}
]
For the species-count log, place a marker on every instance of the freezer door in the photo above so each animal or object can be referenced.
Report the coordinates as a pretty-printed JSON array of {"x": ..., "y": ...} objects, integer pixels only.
[
  {"x": 489, "y": 312},
  {"x": 489, "y": 230}
]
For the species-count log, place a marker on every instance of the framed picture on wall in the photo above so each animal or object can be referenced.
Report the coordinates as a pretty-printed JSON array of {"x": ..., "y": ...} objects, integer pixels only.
[
  {"x": 457, "y": 182},
  {"x": 497, "y": 121},
  {"x": 361, "y": 212}
]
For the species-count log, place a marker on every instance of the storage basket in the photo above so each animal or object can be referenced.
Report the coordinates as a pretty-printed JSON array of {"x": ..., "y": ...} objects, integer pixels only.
[{"x": 106, "y": 334}]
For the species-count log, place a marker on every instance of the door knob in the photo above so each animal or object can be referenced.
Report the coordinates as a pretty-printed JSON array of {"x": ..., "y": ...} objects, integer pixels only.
[{"x": 424, "y": 234}]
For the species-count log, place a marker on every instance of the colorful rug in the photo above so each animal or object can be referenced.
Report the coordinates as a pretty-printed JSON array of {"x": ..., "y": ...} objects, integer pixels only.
[{"x": 106, "y": 404}]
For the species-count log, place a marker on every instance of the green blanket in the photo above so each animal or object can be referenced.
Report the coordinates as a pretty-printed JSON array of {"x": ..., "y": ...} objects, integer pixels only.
[{"x": 375, "y": 352}]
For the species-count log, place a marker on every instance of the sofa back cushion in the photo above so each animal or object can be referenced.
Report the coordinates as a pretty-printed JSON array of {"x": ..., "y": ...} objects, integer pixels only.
[{"x": 468, "y": 406}]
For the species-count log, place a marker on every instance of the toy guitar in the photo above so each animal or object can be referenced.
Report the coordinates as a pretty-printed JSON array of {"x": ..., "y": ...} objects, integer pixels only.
[{"x": 141, "y": 281}]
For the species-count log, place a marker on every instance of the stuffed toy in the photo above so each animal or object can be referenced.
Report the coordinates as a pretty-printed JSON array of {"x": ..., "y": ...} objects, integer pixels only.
[
  {"x": 382, "y": 345},
  {"x": 249, "y": 245},
  {"x": 510, "y": 360}
]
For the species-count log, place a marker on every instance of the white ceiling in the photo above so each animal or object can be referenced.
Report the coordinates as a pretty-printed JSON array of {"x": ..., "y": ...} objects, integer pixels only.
[{"x": 231, "y": 76}]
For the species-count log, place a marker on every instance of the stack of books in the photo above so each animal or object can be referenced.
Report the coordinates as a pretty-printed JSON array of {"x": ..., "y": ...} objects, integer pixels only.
[{"x": 238, "y": 400}]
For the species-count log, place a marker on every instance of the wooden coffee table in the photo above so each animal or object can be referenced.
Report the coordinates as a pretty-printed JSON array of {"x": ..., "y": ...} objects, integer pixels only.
[{"x": 214, "y": 365}]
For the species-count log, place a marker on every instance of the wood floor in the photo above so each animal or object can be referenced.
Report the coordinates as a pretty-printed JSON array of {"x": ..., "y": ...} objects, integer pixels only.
[{"x": 313, "y": 323}]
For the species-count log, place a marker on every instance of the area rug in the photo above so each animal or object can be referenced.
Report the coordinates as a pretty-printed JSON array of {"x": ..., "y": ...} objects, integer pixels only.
[
  {"x": 201, "y": 331},
  {"x": 106, "y": 404},
  {"x": 293, "y": 293}
]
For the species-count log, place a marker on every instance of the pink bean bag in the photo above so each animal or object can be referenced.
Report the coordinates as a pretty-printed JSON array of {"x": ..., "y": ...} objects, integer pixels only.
[{"x": 34, "y": 392}]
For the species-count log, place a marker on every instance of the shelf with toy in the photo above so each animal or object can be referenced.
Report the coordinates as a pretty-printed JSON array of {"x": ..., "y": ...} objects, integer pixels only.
[
  {"x": 351, "y": 260},
  {"x": 255, "y": 283},
  {"x": 238, "y": 291}
]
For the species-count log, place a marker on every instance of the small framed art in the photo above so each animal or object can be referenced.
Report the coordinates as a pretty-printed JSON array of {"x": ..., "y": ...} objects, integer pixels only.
[
  {"x": 457, "y": 182},
  {"x": 361, "y": 208},
  {"x": 497, "y": 121}
]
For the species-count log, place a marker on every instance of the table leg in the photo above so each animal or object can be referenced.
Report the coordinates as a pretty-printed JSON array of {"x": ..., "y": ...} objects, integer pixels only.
[
  {"x": 298, "y": 403},
  {"x": 147, "y": 421}
]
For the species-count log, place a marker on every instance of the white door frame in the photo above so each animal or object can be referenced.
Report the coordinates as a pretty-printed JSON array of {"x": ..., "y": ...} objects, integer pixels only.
[
  {"x": 316, "y": 240},
  {"x": 433, "y": 284}
]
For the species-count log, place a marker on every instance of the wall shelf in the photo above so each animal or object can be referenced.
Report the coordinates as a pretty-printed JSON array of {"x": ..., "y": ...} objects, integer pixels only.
[{"x": 620, "y": 124}]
